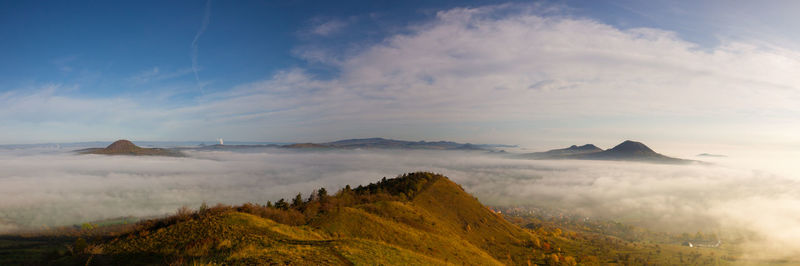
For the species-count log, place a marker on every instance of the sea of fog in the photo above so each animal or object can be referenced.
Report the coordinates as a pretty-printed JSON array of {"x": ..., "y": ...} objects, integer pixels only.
[{"x": 51, "y": 186}]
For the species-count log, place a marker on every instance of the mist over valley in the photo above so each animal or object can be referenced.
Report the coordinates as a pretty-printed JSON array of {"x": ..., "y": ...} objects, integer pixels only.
[
  {"x": 48, "y": 187},
  {"x": 473, "y": 132}
]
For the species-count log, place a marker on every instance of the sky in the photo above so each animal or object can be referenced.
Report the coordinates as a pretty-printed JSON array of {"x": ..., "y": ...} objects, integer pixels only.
[{"x": 697, "y": 75}]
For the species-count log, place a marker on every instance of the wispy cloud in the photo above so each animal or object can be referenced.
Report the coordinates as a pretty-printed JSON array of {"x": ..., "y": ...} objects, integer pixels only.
[
  {"x": 31, "y": 115},
  {"x": 195, "y": 42},
  {"x": 145, "y": 76},
  {"x": 64, "y": 63},
  {"x": 156, "y": 74},
  {"x": 329, "y": 27},
  {"x": 530, "y": 76}
]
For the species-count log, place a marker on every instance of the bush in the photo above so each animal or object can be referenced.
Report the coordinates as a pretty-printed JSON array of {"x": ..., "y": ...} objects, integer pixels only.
[{"x": 80, "y": 246}]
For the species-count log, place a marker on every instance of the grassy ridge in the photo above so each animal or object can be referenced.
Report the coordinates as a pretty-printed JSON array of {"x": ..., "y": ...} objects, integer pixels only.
[
  {"x": 460, "y": 214},
  {"x": 389, "y": 221},
  {"x": 356, "y": 223},
  {"x": 414, "y": 219}
]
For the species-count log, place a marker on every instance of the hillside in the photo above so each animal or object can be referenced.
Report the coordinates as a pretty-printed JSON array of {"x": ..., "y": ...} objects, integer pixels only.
[
  {"x": 569, "y": 151},
  {"x": 414, "y": 219},
  {"x": 306, "y": 146},
  {"x": 626, "y": 151},
  {"x": 125, "y": 147},
  {"x": 419, "y": 218},
  {"x": 712, "y": 155},
  {"x": 630, "y": 151}
]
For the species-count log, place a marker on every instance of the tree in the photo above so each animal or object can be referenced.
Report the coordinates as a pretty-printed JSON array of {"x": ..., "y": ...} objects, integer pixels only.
[
  {"x": 312, "y": 197},
  {"x": 87, "y": 226},
  {"x": 322, "y": 195},
  {"x": 297, "y": 202},
  {"x": 80, "y": 246},
  {"x": 281, "y": 204},
  {"x": 203, "y": 208}
]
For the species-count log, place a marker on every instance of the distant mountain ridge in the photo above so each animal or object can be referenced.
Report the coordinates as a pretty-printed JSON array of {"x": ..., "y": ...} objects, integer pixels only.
[
  {"x": 712, "y": 155},
  {"x": 572, "y": 150},
  {"x": 382, "y": 143},
  {"x": 626, "y": 151},
  {"x": 366, "y": 143}
]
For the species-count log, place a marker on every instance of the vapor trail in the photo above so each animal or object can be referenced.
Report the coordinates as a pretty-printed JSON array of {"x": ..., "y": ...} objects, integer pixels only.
[{"x": 206, "y": 20}]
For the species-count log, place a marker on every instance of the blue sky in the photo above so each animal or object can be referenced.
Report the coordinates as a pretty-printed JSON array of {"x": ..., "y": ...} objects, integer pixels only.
[
  {"x": 96, "y": 44},
  {"x": 533, "y": 73}
]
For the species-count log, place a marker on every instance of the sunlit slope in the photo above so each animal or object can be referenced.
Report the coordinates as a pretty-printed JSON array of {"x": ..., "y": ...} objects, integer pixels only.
[
  {"x": 461, "y": 214},
  {"x": 440, "y": 220},
  {"x": 356, "y": 223},
  {"x": 229, "y": 236},
  {"x": 244, "y": 239},
  {"x": 419, "y": 218}
]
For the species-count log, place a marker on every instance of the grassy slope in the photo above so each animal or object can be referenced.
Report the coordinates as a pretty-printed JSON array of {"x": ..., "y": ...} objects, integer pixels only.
[
  {"x": 419, "y": 219},
  {"x": 460, "y": 214},
  {"x": 442, "y": 224},
  {"x": 357, "y": 223},
  {"x": 441, "y": 220},
  {"x": 233, "y": 237}
]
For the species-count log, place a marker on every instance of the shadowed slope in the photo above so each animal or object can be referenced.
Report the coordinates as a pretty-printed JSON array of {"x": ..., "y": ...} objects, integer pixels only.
[
  {"x": 631, "y": 151},
  {"x": 625, "y": 151},
  {"x": 557, "y": 153}
]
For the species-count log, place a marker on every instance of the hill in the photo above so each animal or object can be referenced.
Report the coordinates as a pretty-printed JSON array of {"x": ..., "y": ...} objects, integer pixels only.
[
  {"x": 414, "y": 219},
  {"x": 712, "y": 155},
  {"x": 382, "y": 143},
  {"x": 419, "y": 218},
  {"x": 125, "y": 147},
  {"x": 229, "y": 147},
  {"x": 306, "y": 146},
  {"x": 572, "y": 150},
  {"x": 626, "y": 151},
  {"x": 630, "y": 151}
]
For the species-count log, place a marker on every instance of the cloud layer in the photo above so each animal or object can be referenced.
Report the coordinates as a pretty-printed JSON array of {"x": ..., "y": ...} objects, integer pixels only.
[
  {"x": 41, "y": 187},
  {"x": 488, "y": 74}
]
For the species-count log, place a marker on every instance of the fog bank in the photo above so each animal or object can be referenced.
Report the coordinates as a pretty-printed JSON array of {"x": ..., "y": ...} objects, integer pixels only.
[{"x": 49, "y": 187}]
